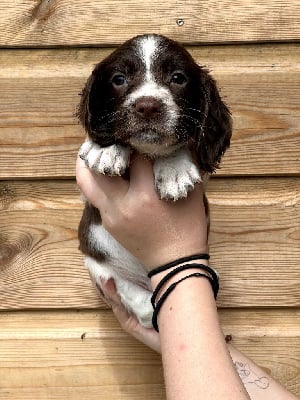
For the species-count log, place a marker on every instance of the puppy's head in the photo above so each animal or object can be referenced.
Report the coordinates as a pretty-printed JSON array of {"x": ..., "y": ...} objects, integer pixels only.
[{"x": 151, "y": 95}]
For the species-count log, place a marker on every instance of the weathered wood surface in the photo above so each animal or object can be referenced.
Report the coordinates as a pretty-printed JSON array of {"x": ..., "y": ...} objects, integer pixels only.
[
  {"x": 77, "y": 23},
  {"x": 73, "y": 354},
  {"x": 39, "y": 136},
  {"x": 56, "y": 351},
  {"x": 254, "y": 243}
]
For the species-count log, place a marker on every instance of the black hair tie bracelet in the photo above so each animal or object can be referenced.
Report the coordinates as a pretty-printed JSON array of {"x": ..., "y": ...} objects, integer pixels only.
[
  {"x": 209, "y": 274},
  {"x": 214, "y": 280},
  {"x": 203, "y": 256},
  {"x": 168, "y": 291}
]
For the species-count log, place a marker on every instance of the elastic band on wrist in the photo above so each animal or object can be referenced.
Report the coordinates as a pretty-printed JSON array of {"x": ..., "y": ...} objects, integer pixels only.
[
  {"x": 210, "y": 274},
  {"x": 168, "y": 291},
  {"x": 203, "y": 256},
  {"x": 214, "y": 279}
]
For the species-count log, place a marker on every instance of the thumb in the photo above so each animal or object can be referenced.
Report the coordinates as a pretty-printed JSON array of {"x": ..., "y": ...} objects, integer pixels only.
[
  {"x": 141, "y": 174},
  {"x": 98, "y": 188}
]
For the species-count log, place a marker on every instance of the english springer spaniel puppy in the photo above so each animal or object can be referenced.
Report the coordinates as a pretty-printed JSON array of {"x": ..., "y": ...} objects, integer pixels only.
[{"x": 148, "y": 95}]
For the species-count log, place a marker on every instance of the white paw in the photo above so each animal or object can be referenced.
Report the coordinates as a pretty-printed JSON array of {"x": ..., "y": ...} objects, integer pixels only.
[
  {"x": 111, "y": 160},
  {"x": 144, "y": 313},
  {"x": 175, "y": 176}
]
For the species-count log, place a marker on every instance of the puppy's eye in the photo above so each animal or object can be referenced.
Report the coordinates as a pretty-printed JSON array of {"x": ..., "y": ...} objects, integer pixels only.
[
  {"x": 119, "y": 80},
  {"x": 178, "y": 78}
]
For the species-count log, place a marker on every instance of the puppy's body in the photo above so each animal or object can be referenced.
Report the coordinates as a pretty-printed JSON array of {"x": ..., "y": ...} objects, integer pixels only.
[{"x": 149, "y": 95}]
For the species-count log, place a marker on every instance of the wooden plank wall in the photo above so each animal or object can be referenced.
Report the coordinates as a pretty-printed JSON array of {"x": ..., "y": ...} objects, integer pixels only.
[{"x": 57, "y": 339}]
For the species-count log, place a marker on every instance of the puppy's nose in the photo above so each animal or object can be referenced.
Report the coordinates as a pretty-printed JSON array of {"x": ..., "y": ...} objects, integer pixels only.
[{"x": 147, "y": 107}]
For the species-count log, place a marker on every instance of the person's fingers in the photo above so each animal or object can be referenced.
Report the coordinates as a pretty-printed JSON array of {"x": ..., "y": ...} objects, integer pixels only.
[
  {"x": 111, "y": 295},
  {"x": 127, "y": 321},
  {"x": 87, "y": 181},
  {"x": 97, "y": 187},
  {"x": 141, "y": 174}
]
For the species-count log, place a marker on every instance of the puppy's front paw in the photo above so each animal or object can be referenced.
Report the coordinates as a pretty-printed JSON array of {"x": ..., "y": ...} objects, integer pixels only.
[
  {"x": 175, "y": 176},
  {"x": 111, "y": 160}
]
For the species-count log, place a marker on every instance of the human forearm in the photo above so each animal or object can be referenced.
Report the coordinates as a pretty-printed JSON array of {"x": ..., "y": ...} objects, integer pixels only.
[
  {"x": 258, "y": 383},
  {"x": 202, "y": 366}
]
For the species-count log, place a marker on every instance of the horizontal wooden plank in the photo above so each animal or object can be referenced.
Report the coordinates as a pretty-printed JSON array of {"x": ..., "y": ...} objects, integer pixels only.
[
  {"x": 38, "y": 235},
  {"x": 254, "y": 243},
  {"x": 39, "y": 135},
  {"x": 120, "y": 392},
  {"x": 256, "y": 221},
  {"x": 71, "y": 353},
  {"x": 61, "y": 23}
]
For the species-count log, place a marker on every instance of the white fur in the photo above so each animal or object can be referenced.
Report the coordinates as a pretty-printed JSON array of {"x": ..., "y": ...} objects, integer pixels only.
[
  {"x": 111, "y": 160},
  {"x": 148, "y": 51},
  {"x": 150, "y": 88},
  {"x": 125, "y": 269},
  {"x": 85, "y": 148},
  {"x": 153, "y": 149},
  {"x": 119, "y": 257},
  {"x": 175, "y": 175},
  {"x": 148, "y": 47}
]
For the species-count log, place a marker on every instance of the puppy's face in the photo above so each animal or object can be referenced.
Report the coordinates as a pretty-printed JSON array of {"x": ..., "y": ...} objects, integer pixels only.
[{"x": 151, "y": 95}]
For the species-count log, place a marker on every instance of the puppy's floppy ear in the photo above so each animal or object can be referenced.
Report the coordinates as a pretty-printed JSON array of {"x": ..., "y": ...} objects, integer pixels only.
[
  {"x": 214, "y": 138},
  {"x": 83, "y": 111},
  {"x": 92, "y": 108}
]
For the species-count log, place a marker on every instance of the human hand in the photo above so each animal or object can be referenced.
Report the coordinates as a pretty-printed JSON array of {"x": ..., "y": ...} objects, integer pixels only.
[
  {"x": 153, "y": 230},
  {"x": 128, "y": 321}
]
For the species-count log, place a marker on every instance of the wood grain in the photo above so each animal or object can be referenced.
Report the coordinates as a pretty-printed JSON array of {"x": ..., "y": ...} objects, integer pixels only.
[
  {"x": 76, "y": 353},
  {"x": 58, "y": 340},
  {"x": 256, "y": 222},
  {"x": 39, "y": 135},
  {"x": 254, "y": 243},
  {"x": 39, "y": 222},
  {"x": 61, "y": 23}
]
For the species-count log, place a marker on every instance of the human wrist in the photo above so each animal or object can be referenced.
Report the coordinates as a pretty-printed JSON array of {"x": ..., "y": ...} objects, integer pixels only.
[
  {"x": 188, "y": 291},
  {"x": 173, "y": 250},
  {"x": 166, "y": 278},
  {"x": 157, "y": 278}
]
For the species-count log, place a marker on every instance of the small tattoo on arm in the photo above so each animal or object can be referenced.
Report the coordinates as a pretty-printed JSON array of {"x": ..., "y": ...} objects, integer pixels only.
[{"x": 248, "y": 376}]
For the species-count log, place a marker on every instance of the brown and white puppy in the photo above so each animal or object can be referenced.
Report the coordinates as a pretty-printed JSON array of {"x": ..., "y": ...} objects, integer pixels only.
[{"x": 148, "y": 95}]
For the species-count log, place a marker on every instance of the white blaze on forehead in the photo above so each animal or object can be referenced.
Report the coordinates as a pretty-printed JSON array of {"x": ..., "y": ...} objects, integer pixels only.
[{"x": 148, "y": 49}]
